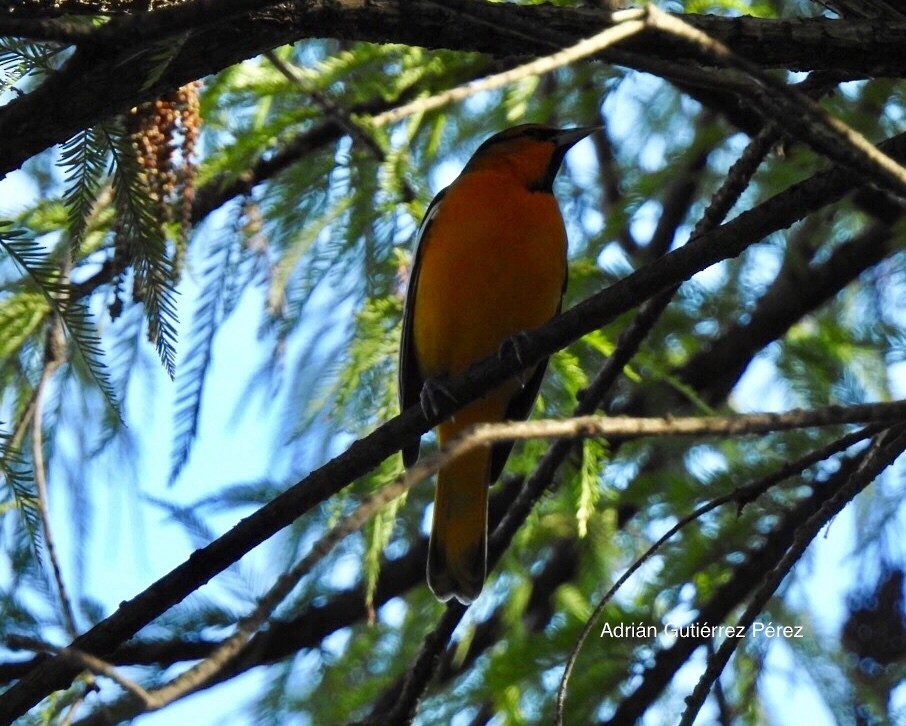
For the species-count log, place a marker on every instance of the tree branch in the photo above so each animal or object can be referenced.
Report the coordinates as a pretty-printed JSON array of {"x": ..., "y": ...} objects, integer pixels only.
[
  {"x": 799, "y": 115},
  {"x": 797, "y": 290},
  {"x": 885, "y": 449},
  {"x": 627, "y": 23},
  {"x": 100, "y": 81},
  {"x": 622, "y": 427},
  {"x": 742, "y": 495},
  {"x": 725, "y": 242},
  {"x": 743, "y": 579},
  {"x": 83, "y": 661},
  {"x": 54, "y": 357}
]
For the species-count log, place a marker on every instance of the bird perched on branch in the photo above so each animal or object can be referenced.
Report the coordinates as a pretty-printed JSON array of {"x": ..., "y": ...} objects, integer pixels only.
[{"x": 490, "y": 264}]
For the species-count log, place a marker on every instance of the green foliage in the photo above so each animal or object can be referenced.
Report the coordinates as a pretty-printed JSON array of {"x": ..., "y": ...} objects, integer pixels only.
[
  {"x": 21, "y": 315},
  {"x": 594, "y": 455},
  {"x": 370, "y": 364},
  {"x": 378, "y": 537},
  {"x": 140, "y": 236},
  {"x": 21, "y": 59},
  {"x": 208, "y": 316},
  {"x": 30, "y": 256},
  {"x": 307, "y": 266},
  {"x": 17, "y": 481},
  {"x": 84, "y": 158}
]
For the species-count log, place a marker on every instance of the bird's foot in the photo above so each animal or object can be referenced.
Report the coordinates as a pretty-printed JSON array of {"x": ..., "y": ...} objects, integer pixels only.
[
  {"x": 514, "y": 345},
  {"x": 429, "y": 398}
]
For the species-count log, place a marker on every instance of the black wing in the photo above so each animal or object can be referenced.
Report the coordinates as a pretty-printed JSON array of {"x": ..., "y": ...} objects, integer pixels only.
[
  {"x": 519, "y": 409},
  {"x": 411, "y": 379}
]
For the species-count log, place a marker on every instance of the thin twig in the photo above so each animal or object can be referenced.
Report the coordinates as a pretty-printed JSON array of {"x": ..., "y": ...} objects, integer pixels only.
[
  {"x": 54, "y": 357},
  {"x": 226, "y": 186},
  {"x": 197, "y": 676},
  {"x": 339, "y": 116},
  {"x": 679, "y": 193},
  {"x": 723, "y": 710},
  {"x": 628, "y": 23},
  {"x": 84, "y": 660},
  {"x": 799, "y": 115},
  {"x": 630, "y": 426},
  {"x": 742, "y": 496},
  {"x": 612, "y": 199},
  {"x": 886, "y": 447},
  {"x": 331, "y": 110},
  {"x": 737, "y": 179}
]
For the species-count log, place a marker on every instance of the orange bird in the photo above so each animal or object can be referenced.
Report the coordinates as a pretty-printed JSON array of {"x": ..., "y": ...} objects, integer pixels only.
[{"x": 490, "y": 263}]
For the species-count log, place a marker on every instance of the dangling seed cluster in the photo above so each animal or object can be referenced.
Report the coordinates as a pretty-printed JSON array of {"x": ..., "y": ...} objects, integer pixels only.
[{"x": 164, "y": 135}]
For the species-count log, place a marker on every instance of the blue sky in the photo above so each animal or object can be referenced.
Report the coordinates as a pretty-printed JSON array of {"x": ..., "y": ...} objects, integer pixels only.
[{"x": 241, "y": 439}]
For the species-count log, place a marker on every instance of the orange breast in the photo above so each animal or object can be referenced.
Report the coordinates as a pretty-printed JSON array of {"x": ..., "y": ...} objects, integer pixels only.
[{"x": 492, "y": 265}]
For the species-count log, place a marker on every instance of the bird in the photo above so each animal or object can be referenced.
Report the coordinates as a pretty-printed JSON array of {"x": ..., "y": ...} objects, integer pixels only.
[{"x": 489, "y": 265}]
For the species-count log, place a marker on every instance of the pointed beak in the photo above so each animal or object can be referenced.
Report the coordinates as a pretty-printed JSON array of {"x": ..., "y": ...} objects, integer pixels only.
[{"x": 568, "y": 137}]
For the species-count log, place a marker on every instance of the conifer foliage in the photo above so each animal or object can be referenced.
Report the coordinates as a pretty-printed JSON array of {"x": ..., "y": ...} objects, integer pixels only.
[{"x": 210, "y": 201}]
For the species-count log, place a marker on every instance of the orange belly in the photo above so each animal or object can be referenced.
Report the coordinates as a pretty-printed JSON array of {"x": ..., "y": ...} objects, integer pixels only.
[{"x": 487, "y": 276}]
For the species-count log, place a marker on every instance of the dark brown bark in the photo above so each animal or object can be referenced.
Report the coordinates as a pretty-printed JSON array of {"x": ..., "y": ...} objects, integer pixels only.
[{"x": 110, "y": 77}]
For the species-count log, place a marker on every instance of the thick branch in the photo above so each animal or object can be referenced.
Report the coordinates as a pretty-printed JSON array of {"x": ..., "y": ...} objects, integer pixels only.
[
  {"x": 101, "y": 81},
  {"x": 798, "y": 290},
  {"x": 727, "y": 241}
]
